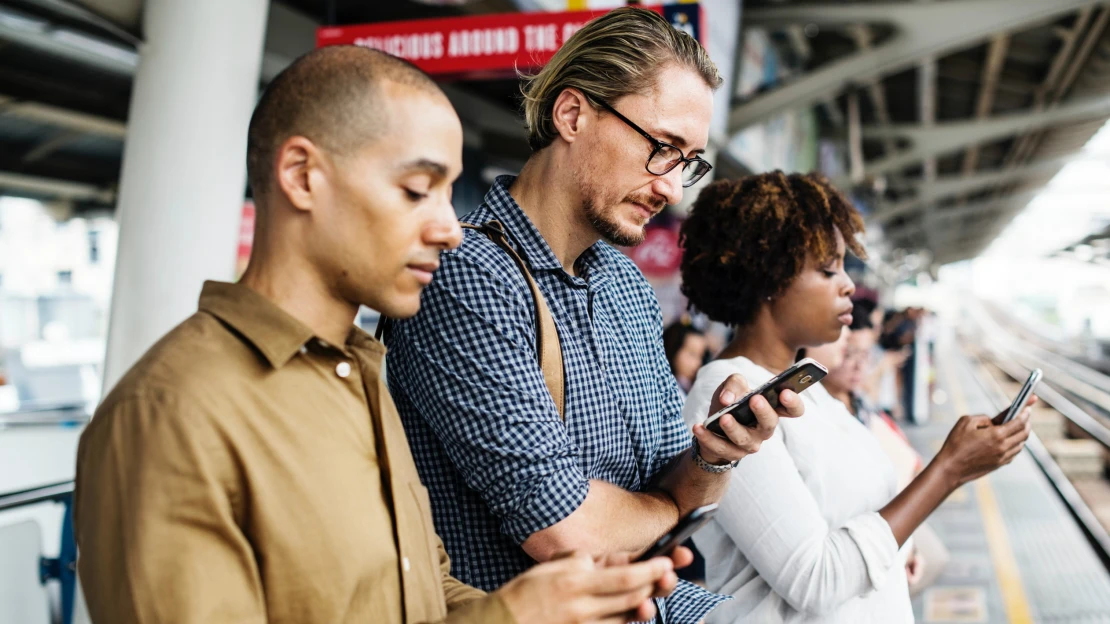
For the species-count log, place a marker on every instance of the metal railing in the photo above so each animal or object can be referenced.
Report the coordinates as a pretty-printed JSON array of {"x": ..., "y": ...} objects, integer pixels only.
[
  {"x": 56, "y": 492},
  {"x": 1096, "y": 534},
  {"x": 46, "y": 415},
  {"x": 19, "y": 556},
  {"x": 1063, "y": 377}
]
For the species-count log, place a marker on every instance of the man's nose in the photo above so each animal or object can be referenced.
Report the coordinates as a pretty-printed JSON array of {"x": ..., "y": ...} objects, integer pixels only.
[
  {"x": 444, "y": 231},
  {"x": 669, "y": 186}
]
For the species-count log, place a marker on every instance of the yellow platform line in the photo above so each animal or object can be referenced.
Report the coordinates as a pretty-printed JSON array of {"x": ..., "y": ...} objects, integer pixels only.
[
  {"x": 998, "y": 539},
  {"x": 1002, "y": 554}
]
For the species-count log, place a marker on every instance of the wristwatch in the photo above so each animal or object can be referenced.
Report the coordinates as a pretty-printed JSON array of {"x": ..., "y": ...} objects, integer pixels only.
[{"x": 706, "y": 466}]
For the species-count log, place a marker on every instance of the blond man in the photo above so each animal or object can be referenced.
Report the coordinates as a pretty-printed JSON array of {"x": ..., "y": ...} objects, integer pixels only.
[{"x": 617, "y": 122}]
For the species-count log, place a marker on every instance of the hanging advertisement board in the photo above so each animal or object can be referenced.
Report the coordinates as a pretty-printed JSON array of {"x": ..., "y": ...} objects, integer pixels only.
[{"x": 481, "y": 46}]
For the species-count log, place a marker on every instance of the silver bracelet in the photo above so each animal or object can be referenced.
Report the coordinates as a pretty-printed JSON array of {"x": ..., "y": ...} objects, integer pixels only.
[{"x": 706, "y": 466}]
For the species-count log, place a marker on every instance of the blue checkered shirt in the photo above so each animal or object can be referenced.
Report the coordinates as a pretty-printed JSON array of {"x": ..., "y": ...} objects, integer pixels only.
[{"x": 489, "y": 444}]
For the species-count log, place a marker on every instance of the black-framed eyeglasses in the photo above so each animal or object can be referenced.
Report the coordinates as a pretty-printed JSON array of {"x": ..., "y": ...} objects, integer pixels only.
[{"x": 664, "y": 156}]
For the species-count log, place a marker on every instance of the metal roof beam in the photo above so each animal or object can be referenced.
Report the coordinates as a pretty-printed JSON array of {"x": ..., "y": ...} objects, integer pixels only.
[
  {"x": 61, "y": 118},
  {"x": 864, "y": 39},
  {"x": 1027, "y": 144},
  {"x": 996, "y": 58},
  {"x": 987, "y": 230},
  {"x": 923, "y": 29},
  {"x": 982, "y": 207},
  {"x": 952, "y": 185},
  {"x": 61, "y": 189},
  {"x": 66, "y": 43},
  {"x": 51, "y": 145},
  {"x": 947, "y": 137},
  {"x": 957, "y": 243}
]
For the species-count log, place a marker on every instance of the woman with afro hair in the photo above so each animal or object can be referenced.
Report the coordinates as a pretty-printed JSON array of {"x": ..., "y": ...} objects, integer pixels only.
[{"x": 812, "y": 527}]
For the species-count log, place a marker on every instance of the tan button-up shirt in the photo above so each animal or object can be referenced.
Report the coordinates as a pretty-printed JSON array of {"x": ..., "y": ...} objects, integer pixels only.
[{"x": 246, "y": 471}]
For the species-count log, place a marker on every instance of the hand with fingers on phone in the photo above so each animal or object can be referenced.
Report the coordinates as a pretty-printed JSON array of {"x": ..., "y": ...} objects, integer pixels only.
[
  {"x": 680, "y": 557},
  {"x": 742, "y": 441},
  {"x": 576, "y": 589},
  {"x": 977, "y": 446}
]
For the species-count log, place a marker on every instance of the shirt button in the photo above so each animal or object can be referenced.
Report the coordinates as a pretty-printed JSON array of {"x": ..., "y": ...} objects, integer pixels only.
[
  {"x": 343, "y": 369},
  {"x": 405, "y": 564}
]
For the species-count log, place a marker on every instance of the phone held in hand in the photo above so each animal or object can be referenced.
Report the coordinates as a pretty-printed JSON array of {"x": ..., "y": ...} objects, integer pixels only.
[
  {"x": 682, "y": 531},
  {"x": 798, "y": 377},
  {"x": 1022, "y": 396}
]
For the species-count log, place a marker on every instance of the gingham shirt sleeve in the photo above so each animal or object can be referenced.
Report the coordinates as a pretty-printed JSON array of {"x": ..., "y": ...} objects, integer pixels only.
[
  {"x": 468, "y": 363},
  {"x": 676, "y": 436}
]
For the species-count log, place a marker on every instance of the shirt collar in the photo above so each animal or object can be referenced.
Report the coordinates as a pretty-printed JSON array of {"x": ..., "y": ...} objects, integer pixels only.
[
  {"x": 594, "y": 265},
  {"x": 277, "y": 335},
  {"x": 537, "y": 253}
]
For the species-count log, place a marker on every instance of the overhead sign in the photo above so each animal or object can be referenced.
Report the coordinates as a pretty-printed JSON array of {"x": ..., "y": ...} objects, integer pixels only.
[{"x": 484, "y": 45}]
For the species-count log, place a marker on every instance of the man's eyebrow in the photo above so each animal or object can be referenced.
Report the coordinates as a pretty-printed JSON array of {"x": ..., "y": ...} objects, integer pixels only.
[
  {"x": 677, "y": 141},
  {"x": 424, "y": 165}
]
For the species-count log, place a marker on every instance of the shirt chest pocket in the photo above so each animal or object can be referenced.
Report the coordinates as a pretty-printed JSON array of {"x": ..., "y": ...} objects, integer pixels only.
[{"x": 423, "y": 581}]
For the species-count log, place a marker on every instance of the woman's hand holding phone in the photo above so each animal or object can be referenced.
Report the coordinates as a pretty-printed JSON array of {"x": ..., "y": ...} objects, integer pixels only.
[
  {"x": 743, "y": 441},
  {"x": 976, "y": 446}
]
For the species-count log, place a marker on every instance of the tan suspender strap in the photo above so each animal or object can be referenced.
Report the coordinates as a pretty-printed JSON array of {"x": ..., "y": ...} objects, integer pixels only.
[
  {"x": 548, "y": 348},
  {"x": 549, "y": 351}
]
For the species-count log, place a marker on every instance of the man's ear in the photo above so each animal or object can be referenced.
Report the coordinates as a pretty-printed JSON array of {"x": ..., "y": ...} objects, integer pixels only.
[
  {"x": 297, "y": 160},
  {"x": 571, "y": 114}
]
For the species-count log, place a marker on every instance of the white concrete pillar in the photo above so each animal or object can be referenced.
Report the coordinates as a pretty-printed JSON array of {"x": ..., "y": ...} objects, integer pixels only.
[{"x": 184, "y": 166}]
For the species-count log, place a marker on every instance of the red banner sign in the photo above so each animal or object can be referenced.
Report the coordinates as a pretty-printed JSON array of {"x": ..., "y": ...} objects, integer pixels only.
[
  {"x": 659, "y": 255},
  {"x": 246, "y": 238},
  {"x": 483, "y": 45}
]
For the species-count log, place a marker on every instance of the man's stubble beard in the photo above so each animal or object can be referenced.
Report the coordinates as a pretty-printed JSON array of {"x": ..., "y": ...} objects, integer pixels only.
[{"x": 606, "y": 226}]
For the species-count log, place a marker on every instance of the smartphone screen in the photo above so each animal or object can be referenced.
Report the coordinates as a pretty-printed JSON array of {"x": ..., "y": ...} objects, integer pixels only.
[
  {"x": 798, "y": 377},
  {"x": 682, "y": 531},
  {"x": 1022, "y": 396}
]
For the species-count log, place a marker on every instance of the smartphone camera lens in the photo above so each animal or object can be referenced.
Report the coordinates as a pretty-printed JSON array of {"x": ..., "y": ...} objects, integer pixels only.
[{"x": 806, "y": 379}]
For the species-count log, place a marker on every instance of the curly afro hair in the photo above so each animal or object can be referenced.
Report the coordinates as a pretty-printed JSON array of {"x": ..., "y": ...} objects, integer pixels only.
[{"x": 746, "y": 240}]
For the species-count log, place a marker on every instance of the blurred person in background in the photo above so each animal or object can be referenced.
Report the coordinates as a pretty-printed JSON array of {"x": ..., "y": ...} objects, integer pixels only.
[
  {"x": 848, "y": 361},
  {"x": 251, "y": 467},
  {"x": 899, "y": 334},
  {"x": 895, "y": 340},
  {"x": 687, "y": 349},
  {"x": 812, "y": 527}
]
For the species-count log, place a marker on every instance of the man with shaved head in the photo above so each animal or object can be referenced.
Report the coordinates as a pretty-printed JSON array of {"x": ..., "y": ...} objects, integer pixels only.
[{"x": 252, "y": 467}]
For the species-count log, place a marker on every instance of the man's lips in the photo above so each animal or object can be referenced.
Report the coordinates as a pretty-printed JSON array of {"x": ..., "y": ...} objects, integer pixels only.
[
  {"x": 424, "y": 271},
  {"x": 646, "y": 210}
]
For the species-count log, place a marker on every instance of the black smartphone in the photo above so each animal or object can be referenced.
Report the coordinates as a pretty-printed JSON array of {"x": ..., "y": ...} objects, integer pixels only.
[
  {"x": 682, "y": 531},
  {"x": 798, "y": 377},
  {"x": 1022, "y": 396}
]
